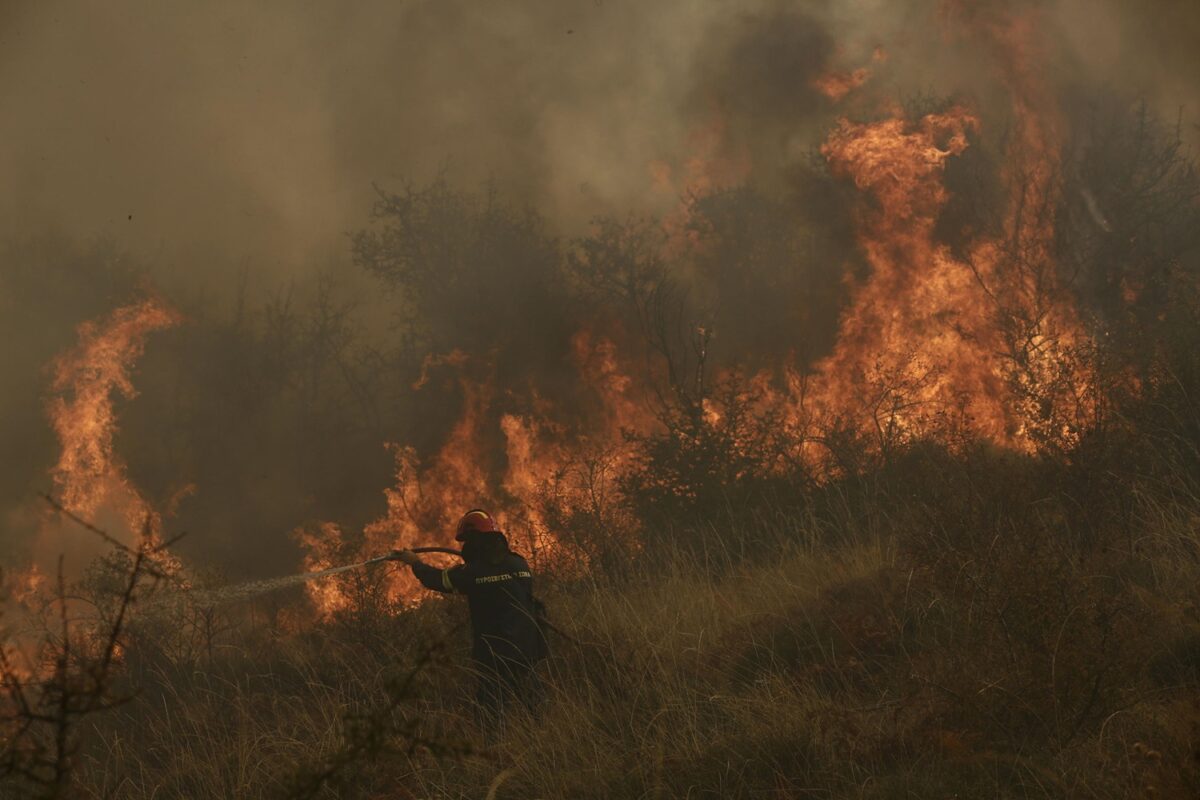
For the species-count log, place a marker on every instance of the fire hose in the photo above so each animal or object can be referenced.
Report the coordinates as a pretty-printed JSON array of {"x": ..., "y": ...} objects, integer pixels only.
[
  {"x": 449, "y": 550},
  {"x": 394, "y": 555}
]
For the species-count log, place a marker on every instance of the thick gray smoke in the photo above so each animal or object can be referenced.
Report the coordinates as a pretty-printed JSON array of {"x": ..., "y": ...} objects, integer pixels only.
[
  {"x": 191, "y": 131},
  {"x": 227, "y": 129},
  {"x": 220, "y": 151}
]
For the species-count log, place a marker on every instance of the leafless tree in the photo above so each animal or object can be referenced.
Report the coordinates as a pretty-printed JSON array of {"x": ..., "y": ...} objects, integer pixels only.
[{"x": 44, "y": 702}]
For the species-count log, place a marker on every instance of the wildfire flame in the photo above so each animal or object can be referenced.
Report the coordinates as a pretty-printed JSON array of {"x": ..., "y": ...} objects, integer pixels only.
[
  {"x": 974, "y": 342},
  {"x": 425, "y": 501},
  {"x": 916, "y": 340},
  {"x": 836, "y": 85},
  {"x": 88, "y": 473},
  {"x": 984, "y": 345},
  {"x": 708, "y": 167},
  {"x": 89, "y": 476}
]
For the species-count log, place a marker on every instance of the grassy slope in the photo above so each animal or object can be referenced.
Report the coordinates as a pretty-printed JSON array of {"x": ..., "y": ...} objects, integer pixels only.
[{"x": 893, "y": 664}]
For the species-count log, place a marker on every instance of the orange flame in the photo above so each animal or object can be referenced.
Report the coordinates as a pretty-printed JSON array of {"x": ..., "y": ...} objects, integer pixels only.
[
  {"x": 88, "y": 473},
  {"x": 424, "y": 503},
  {"x": 916, "y": 342},
  {"x": 709, "y": 166},
  {"x": 836, "y": 85},
  {"x": 976, "y": 343},
  {"x": 987, "y": 345},
  {"x": 89, "y": 476}
]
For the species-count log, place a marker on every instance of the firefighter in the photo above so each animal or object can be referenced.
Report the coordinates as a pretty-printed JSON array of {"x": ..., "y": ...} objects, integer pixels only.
[{"x": 507, "y": 640}]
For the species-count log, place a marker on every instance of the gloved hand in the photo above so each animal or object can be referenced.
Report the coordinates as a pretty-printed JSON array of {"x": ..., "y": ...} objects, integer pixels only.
[{"x": 407, "y": 556}]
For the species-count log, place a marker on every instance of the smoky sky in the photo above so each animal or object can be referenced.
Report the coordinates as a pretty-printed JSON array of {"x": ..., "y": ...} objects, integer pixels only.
[
  {"x": 213, "y": 130},
  {"x": 257, "y": 128}
]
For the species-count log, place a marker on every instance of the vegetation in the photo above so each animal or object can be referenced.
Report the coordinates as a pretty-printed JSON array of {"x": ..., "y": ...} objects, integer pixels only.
[
  {"x": 937, "y": 617},
  {"x": 950, "y": 624}
]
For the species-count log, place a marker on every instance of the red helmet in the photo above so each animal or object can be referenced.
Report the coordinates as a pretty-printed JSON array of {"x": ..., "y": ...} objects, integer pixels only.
[{"x": 475, "y": 521}]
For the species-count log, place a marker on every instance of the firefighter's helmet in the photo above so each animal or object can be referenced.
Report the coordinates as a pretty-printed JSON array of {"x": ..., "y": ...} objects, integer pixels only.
[{"x": 475, "y": 521}]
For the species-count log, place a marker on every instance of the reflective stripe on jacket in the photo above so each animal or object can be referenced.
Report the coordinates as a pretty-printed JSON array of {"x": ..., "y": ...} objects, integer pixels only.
[{"x": 500, "y": 598}]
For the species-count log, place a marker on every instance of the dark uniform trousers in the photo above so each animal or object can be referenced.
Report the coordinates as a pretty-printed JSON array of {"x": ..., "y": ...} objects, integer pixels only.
[{"x": 506, "y": 639}]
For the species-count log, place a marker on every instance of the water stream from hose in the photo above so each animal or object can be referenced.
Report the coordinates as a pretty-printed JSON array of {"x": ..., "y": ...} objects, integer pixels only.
[
  {"x": 249, "y": 589},
  {"x": 242, "y": 591}
]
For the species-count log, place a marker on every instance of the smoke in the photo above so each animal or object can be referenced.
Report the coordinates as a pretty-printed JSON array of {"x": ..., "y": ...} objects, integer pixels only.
[
  {"x": 224, "y": 130},
  {"x": 224, "y": 149},
  {"x": 1146, "y": 50}
]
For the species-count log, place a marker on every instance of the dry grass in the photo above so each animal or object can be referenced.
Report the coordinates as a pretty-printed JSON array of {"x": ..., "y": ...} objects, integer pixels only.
[{"x": 925, "y": 648}]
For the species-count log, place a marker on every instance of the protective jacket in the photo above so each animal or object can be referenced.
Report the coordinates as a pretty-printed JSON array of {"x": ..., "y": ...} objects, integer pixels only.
[{"x": 504, "y": 617}]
